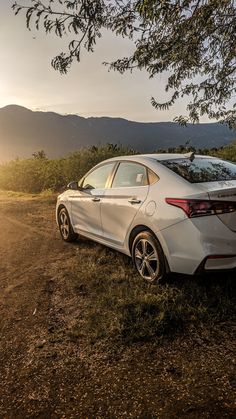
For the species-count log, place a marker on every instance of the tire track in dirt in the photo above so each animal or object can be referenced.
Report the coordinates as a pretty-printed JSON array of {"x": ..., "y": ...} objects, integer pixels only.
[
  {"x": 19, "y": 274},
  {"x": 27, "y": 227},
  {"x": 26, "y": 309}
]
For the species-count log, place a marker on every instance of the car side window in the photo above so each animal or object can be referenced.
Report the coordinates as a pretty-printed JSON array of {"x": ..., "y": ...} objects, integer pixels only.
[
  {"x": 152, "y": 177},
  {"x": 97, "y": 179},
  {"x": 130, "y": 174}
]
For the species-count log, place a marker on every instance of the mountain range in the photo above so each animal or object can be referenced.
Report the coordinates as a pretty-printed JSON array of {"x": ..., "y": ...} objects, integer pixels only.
[{"x": 23, "y": 131}]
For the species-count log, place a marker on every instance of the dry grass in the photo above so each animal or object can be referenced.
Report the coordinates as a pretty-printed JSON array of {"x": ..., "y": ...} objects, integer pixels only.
[
  {"x": 47, "y": 195},
  {"x": 118, "y": 305}
]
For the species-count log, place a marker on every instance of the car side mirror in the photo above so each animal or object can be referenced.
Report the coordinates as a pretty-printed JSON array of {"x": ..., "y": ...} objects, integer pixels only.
[{"x": 73, "y": 185}]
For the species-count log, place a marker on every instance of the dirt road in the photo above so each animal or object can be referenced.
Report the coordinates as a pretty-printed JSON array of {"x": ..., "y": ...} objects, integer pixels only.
[{"x": 45, "y": 374}]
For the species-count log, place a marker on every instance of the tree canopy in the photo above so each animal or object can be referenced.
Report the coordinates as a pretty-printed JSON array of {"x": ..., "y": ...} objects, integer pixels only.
[{"x": 192, "y": 42}]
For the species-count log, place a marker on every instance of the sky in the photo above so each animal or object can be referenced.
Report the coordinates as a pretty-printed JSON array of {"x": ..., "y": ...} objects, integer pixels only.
[{"x": 88, "y": 89}]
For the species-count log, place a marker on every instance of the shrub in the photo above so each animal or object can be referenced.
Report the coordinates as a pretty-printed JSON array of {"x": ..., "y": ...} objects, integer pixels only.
[{"x": 39, "y": 173}]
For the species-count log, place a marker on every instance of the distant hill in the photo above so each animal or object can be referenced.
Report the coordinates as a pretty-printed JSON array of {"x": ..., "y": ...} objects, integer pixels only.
[{"x": 23, "y": 131}]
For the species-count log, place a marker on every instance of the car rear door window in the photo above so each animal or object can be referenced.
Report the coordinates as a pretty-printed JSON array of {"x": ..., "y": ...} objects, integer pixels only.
[
  {"x": 130, "y": 174},
  {"x": 152, "y": 177}
]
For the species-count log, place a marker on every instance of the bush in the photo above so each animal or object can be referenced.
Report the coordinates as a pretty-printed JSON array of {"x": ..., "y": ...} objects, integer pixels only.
[{"x": 39, "y": 173}]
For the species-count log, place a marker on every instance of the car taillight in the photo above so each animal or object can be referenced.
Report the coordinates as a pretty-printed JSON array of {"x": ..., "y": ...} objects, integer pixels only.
[{"x": 199, "y": 208}]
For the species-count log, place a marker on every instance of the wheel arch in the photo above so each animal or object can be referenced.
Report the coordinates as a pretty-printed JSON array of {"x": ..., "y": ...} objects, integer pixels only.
[
  {"x": 134, "y": 232},
  {"x": 138, "y": 229}
]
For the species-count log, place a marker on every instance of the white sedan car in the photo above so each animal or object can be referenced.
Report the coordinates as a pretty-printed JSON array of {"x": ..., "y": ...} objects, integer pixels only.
[{"x": 170, "y": 212}]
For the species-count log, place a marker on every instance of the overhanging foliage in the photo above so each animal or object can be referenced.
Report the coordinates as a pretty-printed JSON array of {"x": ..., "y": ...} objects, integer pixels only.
[{"x": 194, "y": 42}]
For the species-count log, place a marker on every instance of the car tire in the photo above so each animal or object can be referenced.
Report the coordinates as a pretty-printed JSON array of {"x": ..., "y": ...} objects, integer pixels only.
[
  {"x": 148, "y": 257},
  {"x": 65, "y": 227}
]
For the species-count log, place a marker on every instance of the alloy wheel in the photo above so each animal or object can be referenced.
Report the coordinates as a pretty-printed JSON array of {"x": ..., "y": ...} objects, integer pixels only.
[
  {"x": 146, "y": 259},
  {"x": 64, "y": 224}
]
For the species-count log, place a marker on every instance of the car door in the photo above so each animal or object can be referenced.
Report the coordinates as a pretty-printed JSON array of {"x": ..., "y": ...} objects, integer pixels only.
[
  {"x": 122, "y": 200},
  {"x": 86, "y": 203}
]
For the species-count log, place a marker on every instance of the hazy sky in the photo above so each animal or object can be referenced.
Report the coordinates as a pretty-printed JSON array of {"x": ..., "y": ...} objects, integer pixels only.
[{"x": 27, "y": 78}]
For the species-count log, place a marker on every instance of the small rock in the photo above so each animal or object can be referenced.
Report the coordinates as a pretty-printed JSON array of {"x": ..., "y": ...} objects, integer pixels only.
[{"x": 40, "y": 343}]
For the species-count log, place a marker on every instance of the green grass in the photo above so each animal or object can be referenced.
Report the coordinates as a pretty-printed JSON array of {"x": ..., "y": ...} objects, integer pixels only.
[{"x": 117, "y": 304}]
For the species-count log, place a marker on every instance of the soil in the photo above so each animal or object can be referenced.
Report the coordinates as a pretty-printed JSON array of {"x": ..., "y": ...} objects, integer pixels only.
[{"x": 46, "y": 374}]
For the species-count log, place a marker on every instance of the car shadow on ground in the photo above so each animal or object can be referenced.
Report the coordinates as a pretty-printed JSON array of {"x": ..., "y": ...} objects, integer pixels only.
[{"x": 173, "y": 278}]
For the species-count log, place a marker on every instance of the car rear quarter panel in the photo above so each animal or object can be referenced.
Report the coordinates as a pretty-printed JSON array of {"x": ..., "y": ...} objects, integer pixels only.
[
  {"x": 190, "y": 241},
  {"x": 155, "y": 211}
]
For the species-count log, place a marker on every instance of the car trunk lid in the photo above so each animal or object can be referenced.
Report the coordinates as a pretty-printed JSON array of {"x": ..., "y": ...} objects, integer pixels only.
[{"x": 223, "y": 191}]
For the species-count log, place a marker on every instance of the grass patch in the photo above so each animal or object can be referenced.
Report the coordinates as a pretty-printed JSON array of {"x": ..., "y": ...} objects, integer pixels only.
[
  {"x": 13, "y": 194},
  {"x": 47, "y": 195},
  {"x": 117, "y": 304}
]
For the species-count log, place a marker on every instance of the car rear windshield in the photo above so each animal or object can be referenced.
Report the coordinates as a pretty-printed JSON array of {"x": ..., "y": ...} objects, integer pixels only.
[{"x": 202, "y": 169}]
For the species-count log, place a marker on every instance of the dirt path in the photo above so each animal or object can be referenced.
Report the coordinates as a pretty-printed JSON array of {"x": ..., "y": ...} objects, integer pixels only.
[
  {"x": 29, "y": 246},
  {"x": 45, "y": 374}
]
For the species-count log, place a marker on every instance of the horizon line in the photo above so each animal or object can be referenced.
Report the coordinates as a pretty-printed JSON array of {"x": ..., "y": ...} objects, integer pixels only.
[{"x": 104, "y": 116}]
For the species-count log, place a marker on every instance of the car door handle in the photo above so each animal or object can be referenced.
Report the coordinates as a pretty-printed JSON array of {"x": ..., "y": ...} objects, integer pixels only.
[
  {"x": 96, "y": 199},
  {"x": 134, "y": 201}
]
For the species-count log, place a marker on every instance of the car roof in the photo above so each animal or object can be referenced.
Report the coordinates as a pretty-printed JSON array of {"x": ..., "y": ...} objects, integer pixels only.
[
  {"x": 159, "y": 156},
  {"x": 172, "y": 156}
]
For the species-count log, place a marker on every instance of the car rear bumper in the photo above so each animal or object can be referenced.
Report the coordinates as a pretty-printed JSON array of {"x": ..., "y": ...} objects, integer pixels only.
[
  {"x": 201, "y": 244},
  {"x": 220, "y": 263}
]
